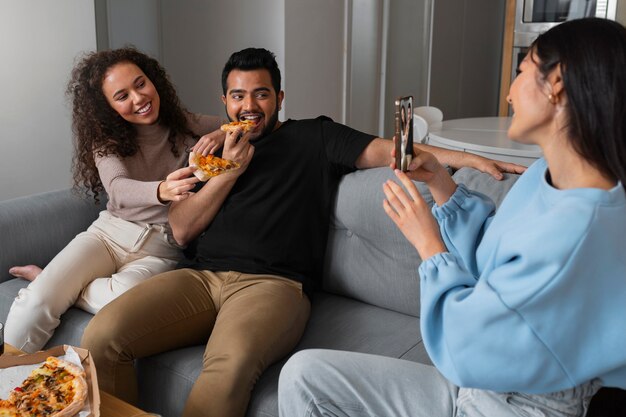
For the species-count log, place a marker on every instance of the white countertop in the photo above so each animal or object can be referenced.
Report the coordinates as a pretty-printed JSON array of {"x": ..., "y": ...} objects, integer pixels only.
[{"x": 481, "y": 134}]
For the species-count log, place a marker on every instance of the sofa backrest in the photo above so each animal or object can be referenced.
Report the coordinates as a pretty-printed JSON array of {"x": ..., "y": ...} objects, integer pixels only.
[
  {"x": 33, "y": 229},
  {"x": 367, "y": 257}
]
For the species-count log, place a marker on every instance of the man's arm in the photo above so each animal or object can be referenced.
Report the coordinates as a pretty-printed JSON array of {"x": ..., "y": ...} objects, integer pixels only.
[
  {"x": 378, "y": 153},
  {"x": 190, "y": 217}
]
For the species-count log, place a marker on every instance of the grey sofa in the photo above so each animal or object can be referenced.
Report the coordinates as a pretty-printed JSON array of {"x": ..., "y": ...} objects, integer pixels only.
[{"x": 369, "y": 302}]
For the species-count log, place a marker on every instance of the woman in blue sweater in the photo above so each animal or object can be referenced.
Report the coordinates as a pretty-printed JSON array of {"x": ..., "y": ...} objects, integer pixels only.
[{"x": 523, "y": 312}]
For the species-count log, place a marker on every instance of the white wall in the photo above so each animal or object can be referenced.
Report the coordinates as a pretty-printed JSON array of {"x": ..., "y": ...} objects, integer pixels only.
[
  {"x": 620, "y": 16},
  {"x": 367, "y": 33},
  {"x": 407, "y": 55},
  {"x": 199, "y": 36},
  {"x": 135, "y": 22},
  {"x": 315, "y": 58},
  {"x": 39, "y": 40},
  {"x": 467, "y": 54}
]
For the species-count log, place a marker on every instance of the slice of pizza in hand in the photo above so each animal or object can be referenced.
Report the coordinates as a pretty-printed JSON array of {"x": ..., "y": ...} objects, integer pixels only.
[
  {"x": 245, "y": 125},
  {"x": 55, "y": 389},
  {"x": 210, "y": 166}
]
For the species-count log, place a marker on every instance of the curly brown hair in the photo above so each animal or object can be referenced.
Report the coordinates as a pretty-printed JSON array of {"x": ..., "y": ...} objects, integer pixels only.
[{"x": 98, "y": 128}]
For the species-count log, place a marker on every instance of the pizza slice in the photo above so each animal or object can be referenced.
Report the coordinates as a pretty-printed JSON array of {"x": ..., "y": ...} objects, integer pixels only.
[
  {"x": 210, "y": 166},
  {"x": 245, "y": 125},
  {"x": 55, "y": 389},
  {"x": 7, "y": 409}
]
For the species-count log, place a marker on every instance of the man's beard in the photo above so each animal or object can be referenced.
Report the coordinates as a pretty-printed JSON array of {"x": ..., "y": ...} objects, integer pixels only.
[{"x": 269, "y": 127}]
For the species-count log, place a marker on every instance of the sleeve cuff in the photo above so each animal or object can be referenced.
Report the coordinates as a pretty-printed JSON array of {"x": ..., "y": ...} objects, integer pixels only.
[{"x": 453, "y": 205}]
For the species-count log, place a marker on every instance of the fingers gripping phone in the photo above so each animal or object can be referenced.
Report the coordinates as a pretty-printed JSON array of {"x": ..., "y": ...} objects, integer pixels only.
[{"x": 404, "y": 132}]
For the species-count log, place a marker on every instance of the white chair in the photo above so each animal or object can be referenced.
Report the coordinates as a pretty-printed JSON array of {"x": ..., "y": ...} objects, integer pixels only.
[
  {"x": 423, "y": 118},
  {"x": 420, "y": 128}
]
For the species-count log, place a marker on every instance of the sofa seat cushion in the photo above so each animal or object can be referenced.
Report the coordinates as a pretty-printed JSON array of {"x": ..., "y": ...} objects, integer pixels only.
[{"x": 336, "y": 323}]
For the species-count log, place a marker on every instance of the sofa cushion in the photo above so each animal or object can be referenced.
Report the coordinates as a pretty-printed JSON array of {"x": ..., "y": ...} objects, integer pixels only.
[
  {"x": 485, "y": 183},
  {"x": 367, "y": 257}
]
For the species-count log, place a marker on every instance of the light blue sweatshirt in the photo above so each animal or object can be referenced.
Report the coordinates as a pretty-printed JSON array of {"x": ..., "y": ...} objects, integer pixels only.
[{"x": 532, "y": 299}]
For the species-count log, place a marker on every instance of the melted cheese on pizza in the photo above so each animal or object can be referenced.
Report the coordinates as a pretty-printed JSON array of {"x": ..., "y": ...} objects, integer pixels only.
[
  {"x": 213, "y": 165},
  {"x": 48, "y": 391},
  {"x": 245, "y": 125}
]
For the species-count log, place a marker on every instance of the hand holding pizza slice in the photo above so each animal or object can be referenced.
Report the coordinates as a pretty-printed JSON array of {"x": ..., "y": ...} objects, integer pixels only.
[{"x": 210, "y": 166}]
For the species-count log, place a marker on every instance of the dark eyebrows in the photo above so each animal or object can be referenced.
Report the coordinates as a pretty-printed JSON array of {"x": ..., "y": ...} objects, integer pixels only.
[
  {"x": 123, "y": 89},
  {"x": 256, "y": 90}
]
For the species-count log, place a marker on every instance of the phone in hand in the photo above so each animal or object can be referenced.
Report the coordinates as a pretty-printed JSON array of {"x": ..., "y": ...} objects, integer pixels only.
[{"x": 404, "y": 132}]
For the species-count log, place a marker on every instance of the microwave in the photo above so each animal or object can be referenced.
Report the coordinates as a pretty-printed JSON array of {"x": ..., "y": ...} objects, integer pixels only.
[{"x": 533, "y": 17}]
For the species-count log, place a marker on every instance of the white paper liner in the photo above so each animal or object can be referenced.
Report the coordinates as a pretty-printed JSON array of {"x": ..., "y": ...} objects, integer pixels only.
[{"x": 12, "y": 377}]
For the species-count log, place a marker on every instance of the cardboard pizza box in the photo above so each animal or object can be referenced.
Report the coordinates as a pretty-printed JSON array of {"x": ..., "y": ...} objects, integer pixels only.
[{"x": 7, "y": 361}]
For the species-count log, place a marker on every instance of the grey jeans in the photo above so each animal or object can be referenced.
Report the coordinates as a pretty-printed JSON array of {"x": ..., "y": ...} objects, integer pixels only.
[{"x": 335, "y": 383}]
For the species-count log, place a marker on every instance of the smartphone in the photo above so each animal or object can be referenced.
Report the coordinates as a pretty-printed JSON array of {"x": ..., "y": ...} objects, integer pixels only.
[{"x": 404, "y": 132}]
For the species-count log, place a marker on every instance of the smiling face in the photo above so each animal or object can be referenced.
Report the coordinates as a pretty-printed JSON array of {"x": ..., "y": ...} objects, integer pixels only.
[
  {"x": 131, "y": 94},
  {"x": 251, "y": 96},
  {"x": 533, "y": 113}
]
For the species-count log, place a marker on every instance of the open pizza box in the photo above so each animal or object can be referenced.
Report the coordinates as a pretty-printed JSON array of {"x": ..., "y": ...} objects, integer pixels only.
[{"x": 93, "y": 408}]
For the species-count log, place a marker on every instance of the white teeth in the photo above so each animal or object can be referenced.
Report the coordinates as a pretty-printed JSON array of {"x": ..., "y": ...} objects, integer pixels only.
[{"x": 144, "y": 109}]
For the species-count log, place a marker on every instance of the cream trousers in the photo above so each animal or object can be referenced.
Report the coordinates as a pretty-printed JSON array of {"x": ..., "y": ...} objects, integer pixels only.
[{"x": 110, "y": 257}]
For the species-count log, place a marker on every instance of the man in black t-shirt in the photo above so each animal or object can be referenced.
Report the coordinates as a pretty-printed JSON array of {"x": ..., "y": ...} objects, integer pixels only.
[{"x": 257, "y": 238}]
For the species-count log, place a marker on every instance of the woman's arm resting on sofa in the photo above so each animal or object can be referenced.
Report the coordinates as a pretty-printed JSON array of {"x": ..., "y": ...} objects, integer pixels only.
[{"x": 379, "y": 153}]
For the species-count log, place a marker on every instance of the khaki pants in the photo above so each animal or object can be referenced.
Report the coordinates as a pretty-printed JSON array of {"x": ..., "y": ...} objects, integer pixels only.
[
  {"x": 98, "y": 265},
  {"x": 247, "y": 321}
]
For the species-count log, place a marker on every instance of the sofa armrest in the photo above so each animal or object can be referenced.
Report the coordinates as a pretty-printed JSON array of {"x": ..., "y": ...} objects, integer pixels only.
[{"x": 33, "y": 229}]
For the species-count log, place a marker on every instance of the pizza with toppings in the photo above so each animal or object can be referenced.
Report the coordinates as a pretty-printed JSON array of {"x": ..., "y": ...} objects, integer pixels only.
[
  {"x": 210, "y": 166},
  {"x": 245, "y": 125},
  {"x": 55, "y": 389}
]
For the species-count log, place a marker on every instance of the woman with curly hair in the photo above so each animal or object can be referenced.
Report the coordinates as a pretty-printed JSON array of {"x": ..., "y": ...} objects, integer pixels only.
[{"x": 131, "y": 137}]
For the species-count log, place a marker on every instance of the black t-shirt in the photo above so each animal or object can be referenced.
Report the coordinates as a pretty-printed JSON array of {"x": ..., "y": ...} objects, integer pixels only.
[{"x": 275, "y": 219}]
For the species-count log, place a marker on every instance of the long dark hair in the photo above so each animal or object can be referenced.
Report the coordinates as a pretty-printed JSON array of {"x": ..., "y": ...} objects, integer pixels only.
[
  {"x": 592, "y": 56},
  {"x": 97, "y": 127}
]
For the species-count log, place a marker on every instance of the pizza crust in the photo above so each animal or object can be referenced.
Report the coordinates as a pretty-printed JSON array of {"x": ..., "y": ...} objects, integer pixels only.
[{"x": 79, "y": 384}]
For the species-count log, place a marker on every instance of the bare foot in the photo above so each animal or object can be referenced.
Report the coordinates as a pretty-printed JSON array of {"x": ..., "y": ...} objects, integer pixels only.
[{"x": 28, "y": 272}]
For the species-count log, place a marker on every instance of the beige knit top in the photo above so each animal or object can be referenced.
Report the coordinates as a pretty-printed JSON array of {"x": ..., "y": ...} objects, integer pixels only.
[{"x": 132, "y": 182}]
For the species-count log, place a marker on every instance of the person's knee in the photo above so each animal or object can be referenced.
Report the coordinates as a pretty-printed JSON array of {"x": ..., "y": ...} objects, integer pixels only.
[
  {"x": 300, "y": 368},
  {"x": 32, "y": 310},
  {"x": 101, "y": 336},
  {"x": 238, "y": 368},
  {"x": 32, "y": 302}
]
